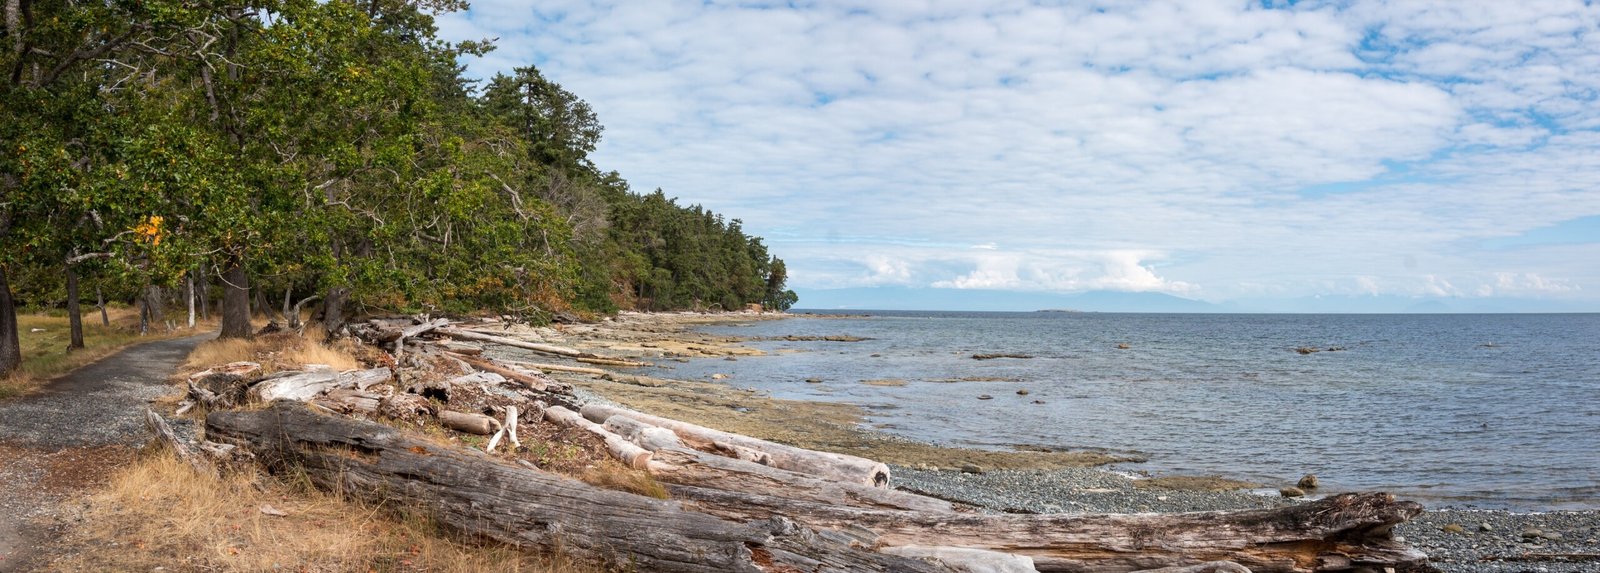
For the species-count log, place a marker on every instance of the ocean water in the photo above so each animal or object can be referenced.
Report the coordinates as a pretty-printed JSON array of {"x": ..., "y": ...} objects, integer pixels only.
[{"x": 1493, "y": 411}]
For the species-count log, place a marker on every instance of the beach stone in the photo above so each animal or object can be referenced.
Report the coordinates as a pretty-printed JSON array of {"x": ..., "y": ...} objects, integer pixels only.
[
  {"x": 719, "y": 376},
  {"x": 1532, "y": 533},
  {"x": 970, "y": 468},
  {"x": 1485, "y": 527},
  {"x": 1291, "y": 492},
  {"x": 985, "y": 397},
  {"x": 1022, "y": 392},
  {"x": 877, "y": 356},
  {"x": 1453, "y": 528},
  {"x": 731, "y": 359},
  {"x": 1553, "y": 536},
  {"x": 1123, "y": 346},
  {"x": 1308, "y": 482}
]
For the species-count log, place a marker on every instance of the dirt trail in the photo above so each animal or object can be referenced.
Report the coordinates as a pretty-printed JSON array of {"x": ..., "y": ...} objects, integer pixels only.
[{"x": 71, "y": 435}]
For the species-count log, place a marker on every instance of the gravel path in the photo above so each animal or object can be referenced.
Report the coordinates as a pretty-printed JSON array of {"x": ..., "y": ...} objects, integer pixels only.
[
  {"x": 71, "y": 435},
  {"x": 1481, "y": 541}
]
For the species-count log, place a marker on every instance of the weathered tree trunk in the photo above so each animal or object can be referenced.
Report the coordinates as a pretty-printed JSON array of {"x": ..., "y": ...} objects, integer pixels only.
[
  {"x": 74, "y": 314},
  {"x": 503, "y": 341},
  {"x": 203, "y": 292},
  {"x": 260, "y": 305},
  {"x": 152, "y": 298},
  {"x": 475, "y": 494},
  {"x": 826, "y": 464},
  {"x": 235, "y": 300},
  {"x": 690, "y": 467},
  {"x": 100, "y": 301},
  {"x": 188, "y": 295},
  {"x": 333, "y": 309},
  {"x": 10, "y": 344},
  {"x": 1334, "y": 534}
]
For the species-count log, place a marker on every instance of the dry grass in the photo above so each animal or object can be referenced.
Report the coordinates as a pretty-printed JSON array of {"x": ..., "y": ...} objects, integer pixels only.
[
  {"x": 160, "y": 513},
  {"x": 278, "y": 351},
  {"x": 613, "y": 475},
  {"x": 44, "y": 339}
]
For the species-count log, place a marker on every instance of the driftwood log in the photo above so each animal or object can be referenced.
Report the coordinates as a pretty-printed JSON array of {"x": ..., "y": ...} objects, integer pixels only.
[
  {"x": 627, "y": 452},
  {"x": 1340, "y": 533},
  {"x": 829, "y": 465},
  {"x": 460, "y": 334},
  {"x": 477, "y": 495}
]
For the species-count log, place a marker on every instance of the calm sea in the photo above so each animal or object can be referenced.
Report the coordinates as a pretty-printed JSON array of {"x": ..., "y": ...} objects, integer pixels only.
[{"x": 1497, "y": 411}]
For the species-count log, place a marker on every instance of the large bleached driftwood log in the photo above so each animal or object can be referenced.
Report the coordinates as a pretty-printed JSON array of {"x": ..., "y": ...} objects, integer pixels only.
[
  {"x": 1341, "y": 533},
  {"x": 826, "y": 464},
  {"x": 478, "y": 495},
  {"x": 675, "y": 463},
  {"x": 504, "y": 341}
]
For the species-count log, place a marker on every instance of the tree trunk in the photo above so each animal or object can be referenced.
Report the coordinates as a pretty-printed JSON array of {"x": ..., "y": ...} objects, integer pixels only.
[
  {"x": 74, "y": 314},
  {"x": 235, "y": 300},
  {"x": 10, "y": 344},
  {"x": 152, "y": 297},
  {"x": 204, "y": 293},
  {"x": 288, "y": 296},
  {"x": 478, "y": 495},
  {"x": 260, "y": 306},
  {"x": 830, "y": 465},
  {"x": 144, "y": 316},
  {"x": 188, "y": 295},
  {"x": 1333, "y": 534},
  {"x": 100, "y": 301},
  {"x": 333, "y": 309}
]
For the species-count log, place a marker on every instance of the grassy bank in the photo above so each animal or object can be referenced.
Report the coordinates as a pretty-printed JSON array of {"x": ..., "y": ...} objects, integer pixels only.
[
  {"x": 44, "y": 337},
  {"x": 159, "y": 514}
]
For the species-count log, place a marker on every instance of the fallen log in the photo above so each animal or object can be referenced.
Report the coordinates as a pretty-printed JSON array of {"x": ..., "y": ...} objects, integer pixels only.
[
  {"x": 968, "y": 560},
  {"x": 556, "y": 367},
  {"x": 469, "y": 423},
  {"x": 826, "y": 464},
  {"x": 627, "y": 452},
  {"x": 490, "y": 366},
  {"x": 690, "y": 467},
  {"x": 473, "y": 493},
  {"x": 1339, "y": 533},
  {"x": 675, "y": 463},
  {"x": 607, "y": 361},
  {"x": 504, "y": 341},
  {"x": 302, "y": 386}
]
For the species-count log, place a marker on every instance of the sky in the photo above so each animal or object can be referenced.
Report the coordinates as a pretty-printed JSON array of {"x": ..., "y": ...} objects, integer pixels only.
[{"x": 1225, "y": 151}]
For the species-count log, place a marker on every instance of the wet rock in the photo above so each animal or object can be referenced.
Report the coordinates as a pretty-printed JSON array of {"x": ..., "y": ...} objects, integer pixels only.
[
  {"x": 731, "y": 359},
  {"x": 1022, "y": 392},
  {"x": 1123, "y": 346},
  {"x": 1307, "y": 350},
  {"x": 877, "y": 355},
  {"x": 1001, "y": 355},
  {"x": 1291, "y": 492},
  {"x": 813, "y": 380},
  {"x": 1038, "y": 401},
  {"x": 985, "y": 397},
  {"x": 1453, "y": 528},
  {"x": 1485, "y": 527},
  {"x": 1307, "y": 482},
  {"x": 719, "y": 376}
]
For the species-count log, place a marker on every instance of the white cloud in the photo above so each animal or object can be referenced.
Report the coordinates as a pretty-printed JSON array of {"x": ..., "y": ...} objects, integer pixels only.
[{"x": 1250, "y": 151}]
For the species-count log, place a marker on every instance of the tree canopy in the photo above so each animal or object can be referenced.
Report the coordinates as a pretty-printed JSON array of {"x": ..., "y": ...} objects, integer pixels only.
[{"x": 325, "y": 149}]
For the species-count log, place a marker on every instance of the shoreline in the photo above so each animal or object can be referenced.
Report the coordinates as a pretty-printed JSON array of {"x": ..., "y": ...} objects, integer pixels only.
[{"x": 1466, "y": 540}]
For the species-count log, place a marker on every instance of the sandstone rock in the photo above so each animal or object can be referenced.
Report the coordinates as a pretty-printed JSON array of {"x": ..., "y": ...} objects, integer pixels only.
[
  {"x": 1453, "y": 528},
  {"x": 970, "y": 468},
  {"x": 1308, "y": 482},
  {"x": 1291, "y": 492},
  {"x": 1022, "y": 392}
]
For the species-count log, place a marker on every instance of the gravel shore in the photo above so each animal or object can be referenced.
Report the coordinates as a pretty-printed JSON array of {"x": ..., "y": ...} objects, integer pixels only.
[{"x": 1456, "y": 540}]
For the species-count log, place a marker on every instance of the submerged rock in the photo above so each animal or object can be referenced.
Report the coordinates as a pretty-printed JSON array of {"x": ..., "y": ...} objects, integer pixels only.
[
  {"x": 1307, "y": 482},
  {"x": 1291, "y": 492},
  {"x": 985, "y": 397}
]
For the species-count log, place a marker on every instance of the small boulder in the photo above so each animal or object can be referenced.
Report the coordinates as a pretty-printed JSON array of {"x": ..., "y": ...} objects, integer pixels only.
[
  {"x": 1453, "y": 528},
  {"x": 1532, "y": 533},
  {"x": 1038, "y": 401},
  {"x": 813, "y": 380},
  {"x": 985, "y": 397},
  {"x": 1022, "y": 392},
  {"x": 1485, "y": 527},
  {"x": 719, "y": 376},
  {"x": 1307, "y": 482},
  {"x": 1123, "y": 346},
  {"x": 971, "y": 468},
  {"x": 1291, "y": 492}
]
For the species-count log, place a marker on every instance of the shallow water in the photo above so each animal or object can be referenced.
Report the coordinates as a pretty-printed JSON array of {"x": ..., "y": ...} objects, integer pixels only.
[{"x": 1497, "y": 411}]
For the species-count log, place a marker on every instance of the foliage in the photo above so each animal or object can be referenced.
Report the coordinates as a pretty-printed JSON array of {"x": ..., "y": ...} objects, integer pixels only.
[{"x": 337, "y": 149}]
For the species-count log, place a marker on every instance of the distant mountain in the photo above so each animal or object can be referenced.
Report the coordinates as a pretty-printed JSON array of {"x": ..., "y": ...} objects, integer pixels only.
[
  {"x": 908, "y": 298},
  {"x": 1392, "y": 304}
]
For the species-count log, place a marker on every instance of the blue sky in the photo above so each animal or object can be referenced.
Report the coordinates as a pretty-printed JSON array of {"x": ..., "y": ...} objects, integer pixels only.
[{"x": 1222, "y": 151}]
